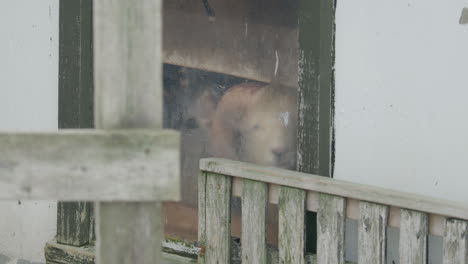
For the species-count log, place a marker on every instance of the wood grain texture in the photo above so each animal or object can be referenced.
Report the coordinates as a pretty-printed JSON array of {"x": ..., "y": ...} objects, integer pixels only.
[
  {"x": 336, "y": 187},
  {"x": 413, "y": 237},
  {"x": 218, "y": 219},
  {"x": 202, "y": 216},
  {"x": 128, "y": 94},
  {"x": 56, "y": 253},
  {"x": 129, "y": 232},
  {"x": 291, "y": 242},
  {"x": 330, "y": 229},
  {"x": 254, "y": 205},
  {"x": 127, "y": 63},
  {"x": 230, "y": 44},
  {"x": 73, "y": 223},
  {"x": 455, "y": 243},
  {"x": 75, "y": 103},
  {"x": 372, "y": 233},
  {"x": 140, "y": 164}
]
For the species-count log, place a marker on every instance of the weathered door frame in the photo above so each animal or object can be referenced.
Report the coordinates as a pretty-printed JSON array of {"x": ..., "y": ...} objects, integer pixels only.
[{"x": 76, "y": 108}]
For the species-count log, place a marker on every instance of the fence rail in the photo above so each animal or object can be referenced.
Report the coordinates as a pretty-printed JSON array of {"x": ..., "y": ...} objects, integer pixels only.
[{"x": 334, "y": 201}]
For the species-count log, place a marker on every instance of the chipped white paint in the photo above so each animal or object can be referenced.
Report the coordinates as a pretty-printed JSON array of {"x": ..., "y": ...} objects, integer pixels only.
[{"x": 28, "y": 101}]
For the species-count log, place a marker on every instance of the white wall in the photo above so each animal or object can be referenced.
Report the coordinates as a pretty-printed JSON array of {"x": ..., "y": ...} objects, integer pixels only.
[
  {"x": 402, "y": 95},
  {"x": 28, "y": 101}
]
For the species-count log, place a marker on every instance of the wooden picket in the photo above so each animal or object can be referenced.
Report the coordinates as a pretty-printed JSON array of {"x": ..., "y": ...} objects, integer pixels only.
[{"x": 334, "y": 200}]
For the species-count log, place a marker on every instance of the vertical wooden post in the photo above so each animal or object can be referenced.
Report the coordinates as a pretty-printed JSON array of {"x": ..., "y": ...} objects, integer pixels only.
[
  {"x": 316, "y": 34},
  {"x": 413, "y": 237},
  {"x": 291, "y": 240},
  {"x": 331, "y": 232},
  {"x": 215, "y": 219},
  {"x": 254, "y": 205},
  {"x": 128, "y": 94},
  {"x": 455, "y": 242},
  {"x": 74, "y": 219},
  {"x": 372, "y": 233}
]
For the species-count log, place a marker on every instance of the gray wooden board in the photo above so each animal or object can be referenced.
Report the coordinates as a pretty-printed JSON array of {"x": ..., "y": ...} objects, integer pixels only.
[
  {"x": 75, "y": 103},
  {"x": 90, "y": 165},
  {"x": 372, "y": 233},
  {"x": 413, "y": 237},
  {"x": 217, "y": 219},
  {"x": 455, "y": 245},
  {"x": 330, "y": 229},
  {"x": 202, "y": 216},
  {"x": 129, "y": 232},
  {"x": 128, "y": 94},
  {"x": 291, "y": 237},
  {"x": 254, "y": 205},
  {"x": 73, "y": 223},
  {"x": 335, "y": 187},
  {"x": 243, "y": 38}
]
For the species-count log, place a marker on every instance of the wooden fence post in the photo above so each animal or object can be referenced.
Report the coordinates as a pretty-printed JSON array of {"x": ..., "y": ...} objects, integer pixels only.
[{"x": 128, "y": 94}]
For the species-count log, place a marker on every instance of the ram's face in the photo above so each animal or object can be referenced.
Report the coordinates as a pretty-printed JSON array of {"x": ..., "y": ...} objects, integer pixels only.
[{"x": 268, "y": 134}]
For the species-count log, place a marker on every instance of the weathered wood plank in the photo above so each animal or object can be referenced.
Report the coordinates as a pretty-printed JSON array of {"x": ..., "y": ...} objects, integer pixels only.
[
  {"x": 330, "y": 229},
  {"x": 413, "y": 237},
  {"x": 335, "y": 187},
  {"x": 73, "y": 223},
  {"x": 202, "y": 216},
  {"x": 129, "y": 232},
  {"x": 254, "y": 205},
  {"x": 140, "y": 164},
  {"x": 372, "y": 233},
  {"x": 56, "y": 253},
  {"x": 246, "y": 39},
  {"x": 217, "y": 219},
  {"x": 291, "y": 242},
  {"x": 75, "y": 104},
  {"x": 128, "y": 94},
  {"x": 455, "y": 242},
  {"x": 436, "y": 222}
]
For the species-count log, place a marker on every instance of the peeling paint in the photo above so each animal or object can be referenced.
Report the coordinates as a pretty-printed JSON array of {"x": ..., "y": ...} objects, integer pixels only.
[{"x": 464, "y": 16}]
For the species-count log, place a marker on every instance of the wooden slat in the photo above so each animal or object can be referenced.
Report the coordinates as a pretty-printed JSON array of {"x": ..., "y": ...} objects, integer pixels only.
[
  {"x": 245, "y": 39},
  {"x": 217, "y": 219},
  {"x": 254, "y": 204},
  {"x": 129, "y": 232},
  {"x": 90, "y": 165},
  {"x": 336, "y": 187},
  {"x": 128, "y": 94},
  {"x": 202, "y": 216},
  {"x": 330, "y": 229},
  {"x": 455, "y": 242},
  {"x": 75, "y": 105},
  {"x": 372, "y": 233},
  {"x": 413, "y": 237},
  {"x": 73, "y": 223},
  {"x": 291, "y": 238}
]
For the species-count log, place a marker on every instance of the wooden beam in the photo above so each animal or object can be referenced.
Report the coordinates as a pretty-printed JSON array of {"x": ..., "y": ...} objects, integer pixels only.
[
  {"x": 75, "y": 106},
  {"x": 455, "y": 242},
  {"x": 331, "y": 229},
  {"x": 291, "y": 226},
  {"x": 335, "y": 187},
  {"x": 413, "y": 237},
  {"x": 254, "y": 209},
  {"x": 372, "y": 233},
  {"x": 128, "y": 94},
  {"x": 90, "y": 165}
]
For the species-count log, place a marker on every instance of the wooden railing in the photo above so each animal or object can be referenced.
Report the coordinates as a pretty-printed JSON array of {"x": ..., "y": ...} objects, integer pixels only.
[{"x": 334, "y": 201}]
